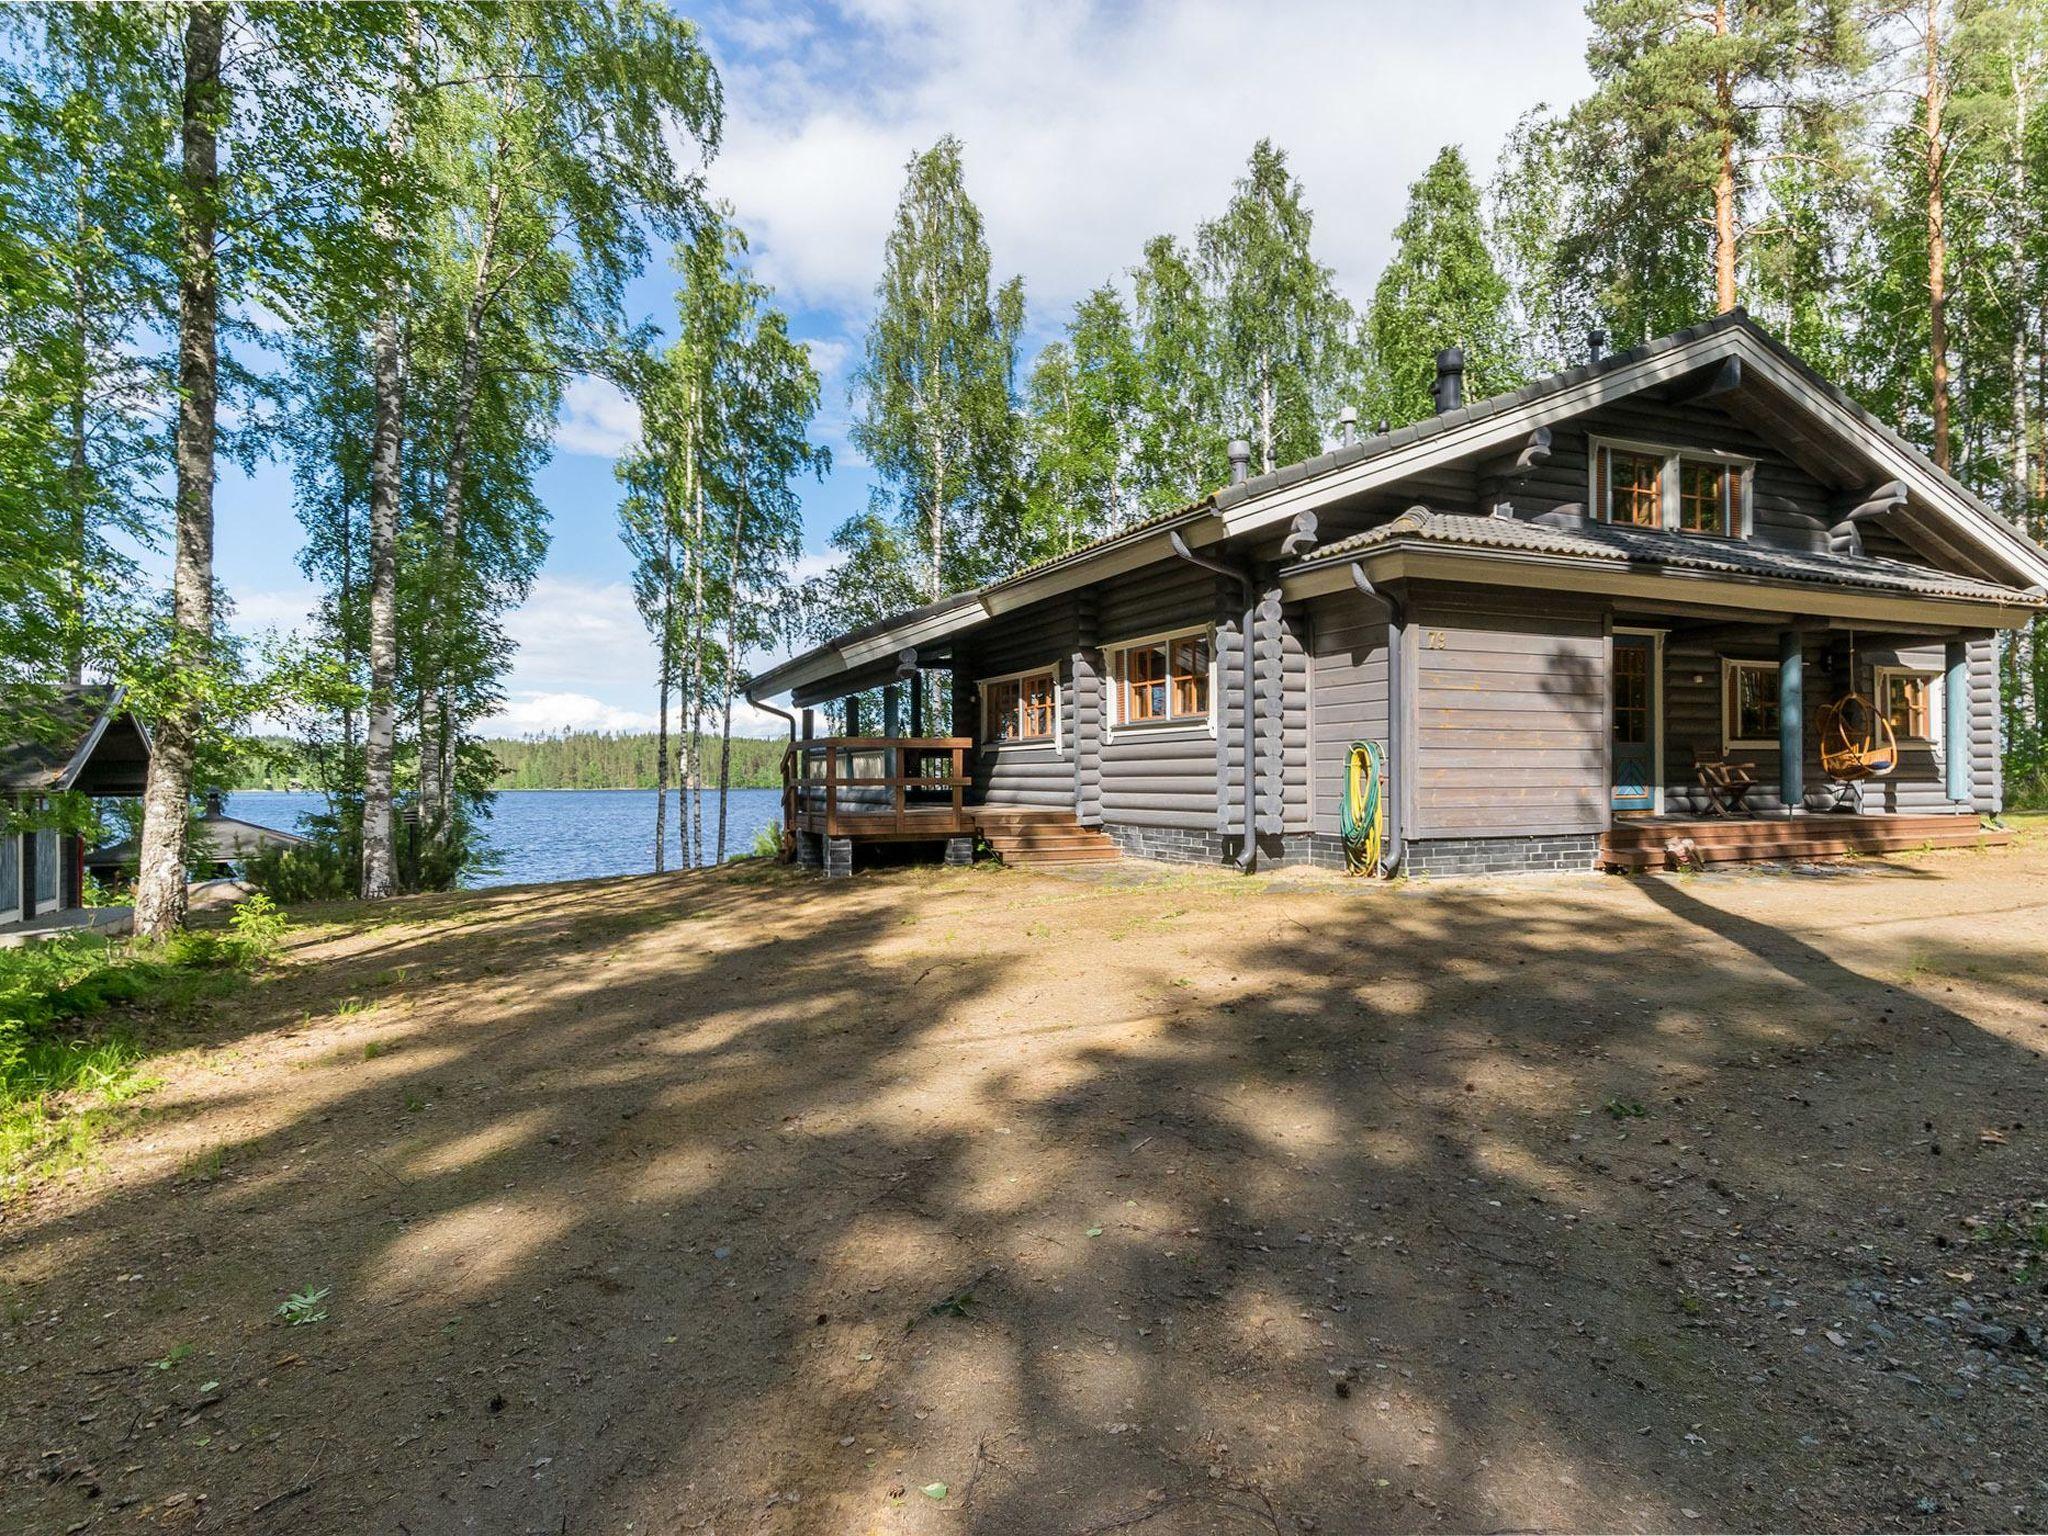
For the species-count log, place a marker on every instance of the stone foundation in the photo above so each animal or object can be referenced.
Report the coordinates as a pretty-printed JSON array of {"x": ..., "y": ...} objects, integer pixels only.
[
  {"x": 1438, "y": 856},
  {"x": 1553, "y": 853}
]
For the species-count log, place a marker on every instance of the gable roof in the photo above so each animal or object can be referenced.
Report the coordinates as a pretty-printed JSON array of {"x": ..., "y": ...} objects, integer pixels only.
[
  {"x": 1406, "y": 450},
  {"x": 79, "y": 721},
  {"x": 1613, "y": 542}
]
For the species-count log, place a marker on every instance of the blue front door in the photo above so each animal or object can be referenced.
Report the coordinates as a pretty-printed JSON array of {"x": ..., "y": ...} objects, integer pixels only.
[{"x": 1635, "y": 723}]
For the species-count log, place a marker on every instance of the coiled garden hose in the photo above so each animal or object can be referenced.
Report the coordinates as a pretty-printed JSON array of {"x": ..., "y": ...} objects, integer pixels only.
[{"x": 1360, "y": 818}]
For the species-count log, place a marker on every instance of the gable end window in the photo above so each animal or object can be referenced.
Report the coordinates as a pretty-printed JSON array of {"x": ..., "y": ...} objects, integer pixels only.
[
  {"x": 1749, "y": 704},
  {"x": 1163, "y": 681},
  {"x": 1676, "y": 490},
  {"x": 1021, "y": 709},
  {"x": 1911, "y": 701}
]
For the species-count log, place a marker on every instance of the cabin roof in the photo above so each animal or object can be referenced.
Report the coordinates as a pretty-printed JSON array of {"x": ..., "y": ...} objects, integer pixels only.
[
  {"x": 91, "y": 742},
  {"x": 1649, "y": 546},
  {"x": 1836, "y": 425}
]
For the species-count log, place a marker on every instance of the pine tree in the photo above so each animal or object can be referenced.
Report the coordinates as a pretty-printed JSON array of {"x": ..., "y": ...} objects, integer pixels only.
[
  {"x": 1692, "y": 103},
  {"x": 1442, "y": 289}
]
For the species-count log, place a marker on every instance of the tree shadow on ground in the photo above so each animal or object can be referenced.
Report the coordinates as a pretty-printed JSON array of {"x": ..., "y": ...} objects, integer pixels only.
[{"x": 738, "y": 1201}]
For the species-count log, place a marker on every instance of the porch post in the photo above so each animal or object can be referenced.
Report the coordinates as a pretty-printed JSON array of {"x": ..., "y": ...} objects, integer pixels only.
[
  {"x": 892, "y": 710},
  {"x": 1791, "y": 721},
  {"x": 916, "y": 681},
  {"x": 1955, "y": 721},
  {"x": 852, "y": 715},
  {"x": 810, "y": 725}
]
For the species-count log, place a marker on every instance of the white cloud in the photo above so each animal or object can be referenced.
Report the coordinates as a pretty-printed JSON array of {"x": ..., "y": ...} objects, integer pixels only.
[
  {"x": 597, "y": 418},
  {"x": 284, "y": 609},
  {"x": 542, "y": 714},
  {"x": 1088, "y": 129},
  {"x": 586, "y": 662}
]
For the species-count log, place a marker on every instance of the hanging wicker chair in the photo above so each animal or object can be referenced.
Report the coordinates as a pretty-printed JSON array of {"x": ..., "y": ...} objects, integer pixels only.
[{"x": 1856, "y": 740}]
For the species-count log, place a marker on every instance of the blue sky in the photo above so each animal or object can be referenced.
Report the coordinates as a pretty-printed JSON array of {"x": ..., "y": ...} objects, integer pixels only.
[{"x": 1087, "y": 129}]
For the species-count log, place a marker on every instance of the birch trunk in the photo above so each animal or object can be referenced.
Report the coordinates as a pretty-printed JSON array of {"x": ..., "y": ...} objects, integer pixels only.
[
  {"x": 701, "y": 620},
  {"x": 166, "y": 801},
  {"x": 387, "y": 438},
  {"x": 436, "y": 731},
  {"x": 732, "y": 626},
  {"x": 666, "y": 662}
]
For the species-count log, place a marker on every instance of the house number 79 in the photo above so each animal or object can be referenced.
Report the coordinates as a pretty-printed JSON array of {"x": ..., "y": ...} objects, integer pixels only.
[{"x": 1436, "y": 639}]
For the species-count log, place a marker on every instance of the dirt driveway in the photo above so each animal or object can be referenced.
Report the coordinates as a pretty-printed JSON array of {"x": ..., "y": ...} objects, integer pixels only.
[{"x": 941, "y": 1201}]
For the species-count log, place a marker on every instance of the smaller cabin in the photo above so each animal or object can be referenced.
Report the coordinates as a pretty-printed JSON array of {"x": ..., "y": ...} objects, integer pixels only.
[{"x": 88, "y": 742}]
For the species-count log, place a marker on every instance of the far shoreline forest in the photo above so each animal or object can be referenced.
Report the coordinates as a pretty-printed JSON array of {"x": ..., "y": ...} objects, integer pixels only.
[{"x": 572, "y": 760}]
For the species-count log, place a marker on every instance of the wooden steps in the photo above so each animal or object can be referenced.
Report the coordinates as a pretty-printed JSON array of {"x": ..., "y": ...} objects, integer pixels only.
[
  {"x": 1037, "y": 839},
  {"x": 1651, "y": 843}
]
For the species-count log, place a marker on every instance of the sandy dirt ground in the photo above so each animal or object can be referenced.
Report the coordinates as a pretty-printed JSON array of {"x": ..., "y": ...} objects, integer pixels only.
[{"x": 945, "y": 1201}]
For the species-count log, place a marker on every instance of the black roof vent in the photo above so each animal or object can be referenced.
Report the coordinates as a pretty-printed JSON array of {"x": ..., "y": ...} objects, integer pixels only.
[
  {"x": 1449, "y": 388},
  {"x": 1596, "y": 345},
  {"x": 1240, "y": 460}
]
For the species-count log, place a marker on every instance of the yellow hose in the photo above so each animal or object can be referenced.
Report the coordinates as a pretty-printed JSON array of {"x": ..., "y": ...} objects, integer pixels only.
[{"x": 1360, "y": 818}]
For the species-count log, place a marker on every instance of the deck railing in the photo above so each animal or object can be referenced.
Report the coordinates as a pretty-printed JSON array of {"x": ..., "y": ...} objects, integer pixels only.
[{"x": 877, "y": 786}]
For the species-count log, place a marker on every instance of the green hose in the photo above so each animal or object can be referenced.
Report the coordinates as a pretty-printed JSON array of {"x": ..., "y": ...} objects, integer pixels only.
[{"x": 1359, "y": 818}]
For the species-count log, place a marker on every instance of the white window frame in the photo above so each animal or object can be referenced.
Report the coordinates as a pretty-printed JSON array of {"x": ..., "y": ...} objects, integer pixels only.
[
  {"x": 1113, "y": 656},
  {"x": 1730, "y": 742},
  {"x": 1743, "y": 468},
  {"x": 1052, "y": 743},
  {"x": 1937, "y": 702}
]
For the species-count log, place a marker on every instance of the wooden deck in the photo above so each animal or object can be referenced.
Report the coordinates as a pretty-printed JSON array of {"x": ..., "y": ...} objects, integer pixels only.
[
  {"x": 878, "y": 788},
  {"x": 1661, "y": 842}
]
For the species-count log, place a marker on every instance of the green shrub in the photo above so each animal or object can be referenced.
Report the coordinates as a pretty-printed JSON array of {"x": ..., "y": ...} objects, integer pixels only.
[{"x": 62, "y": 1066}]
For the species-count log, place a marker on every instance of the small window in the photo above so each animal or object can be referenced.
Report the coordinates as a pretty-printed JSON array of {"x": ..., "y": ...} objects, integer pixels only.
[
  {"x": 1635, "y": 489},
  {"x": 1749, "y": 704},
  {"x": 1703, "y": 496},
  {"x": 1909, "y": 700},
  {"x": 1020, "y": 708},
  {"x": 1164, "y": 681}
]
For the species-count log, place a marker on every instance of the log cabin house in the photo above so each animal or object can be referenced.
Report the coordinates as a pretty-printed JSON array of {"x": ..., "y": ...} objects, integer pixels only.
[{"x": 1625, "y": 616}]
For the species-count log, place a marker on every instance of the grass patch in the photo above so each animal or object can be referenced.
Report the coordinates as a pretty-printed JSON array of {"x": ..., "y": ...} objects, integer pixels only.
[{"x": 69, "y": 1044}]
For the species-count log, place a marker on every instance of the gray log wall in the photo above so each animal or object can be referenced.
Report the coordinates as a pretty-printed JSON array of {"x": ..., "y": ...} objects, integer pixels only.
[
  {"x": 1349, "y": 688},
  {"x": 1043, "y": 635},
  {"x": 1511, "y": 712},
  {"x": 1153, "y": 777}
]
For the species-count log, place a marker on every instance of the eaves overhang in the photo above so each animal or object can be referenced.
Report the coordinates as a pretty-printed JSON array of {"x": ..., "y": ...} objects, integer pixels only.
[{"x": 1399, "y": 561}]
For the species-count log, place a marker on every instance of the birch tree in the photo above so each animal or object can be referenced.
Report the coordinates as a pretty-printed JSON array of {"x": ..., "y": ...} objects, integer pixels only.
[
  {"x": 1281, "y": 328},
  {"x": 933, "y": 394}
]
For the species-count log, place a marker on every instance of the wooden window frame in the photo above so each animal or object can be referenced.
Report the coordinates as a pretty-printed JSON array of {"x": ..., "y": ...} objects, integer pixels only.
[
  {"x": 1738, "y": 496},
  {"x": 984, "y": 686},
  {"x": 1935, "y": 684},
  {"x": 1731, "y": 741},
  {"x": 1116, "y": 658}
]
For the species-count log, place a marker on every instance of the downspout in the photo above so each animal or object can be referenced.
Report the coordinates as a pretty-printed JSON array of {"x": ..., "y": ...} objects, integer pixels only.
[
  {"x": 1397, "y": 703},
  {"x": 1248, "y": 857}
]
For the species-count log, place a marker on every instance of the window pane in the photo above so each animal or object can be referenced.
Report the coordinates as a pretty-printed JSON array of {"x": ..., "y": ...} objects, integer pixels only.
[
  {"x": 1904, "y": 702},
  {"x": 1038, "y": 706},
  {"x": 1191, "y": 676},
  {"x": 1001, "y": 724},
  {"x": 1145, "y": 683},
  {"x": 1635, "y": 492},
  {"x": 1702, "y": 503},
  {"x": 1755, "y": 709}
]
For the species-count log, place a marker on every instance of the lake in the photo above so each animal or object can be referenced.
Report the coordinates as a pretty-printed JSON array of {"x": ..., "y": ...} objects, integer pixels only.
[{"x": 560, "y": 834}]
